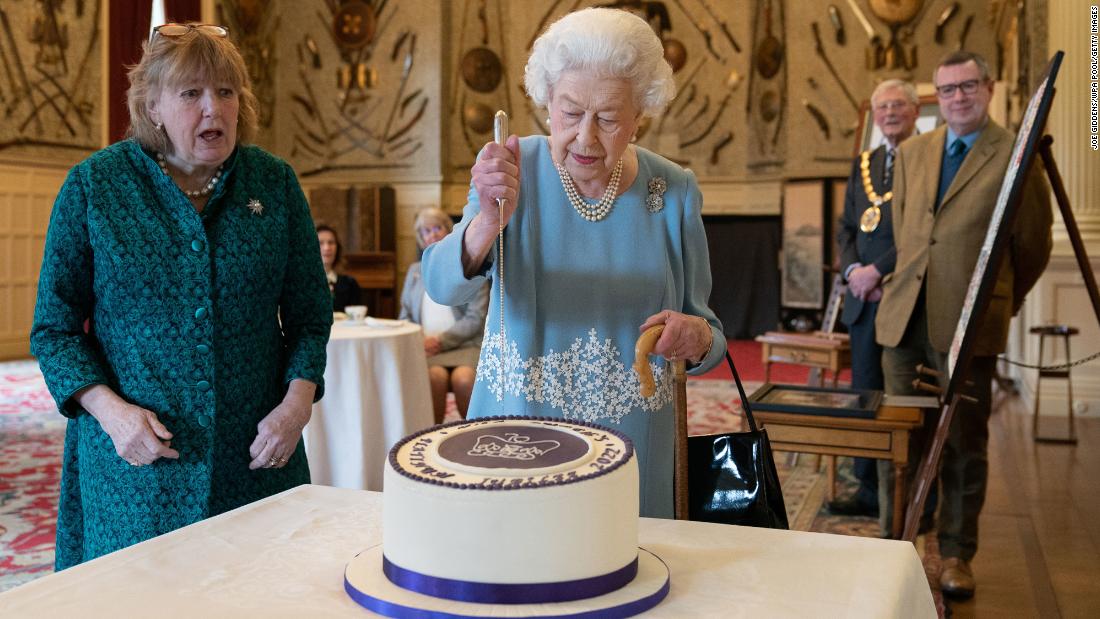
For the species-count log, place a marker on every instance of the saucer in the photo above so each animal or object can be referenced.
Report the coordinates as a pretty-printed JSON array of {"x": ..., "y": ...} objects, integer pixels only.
[{"x": 383, "y": 323}]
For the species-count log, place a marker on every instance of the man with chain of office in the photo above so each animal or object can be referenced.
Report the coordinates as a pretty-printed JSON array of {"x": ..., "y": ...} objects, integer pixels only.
[{"x": 866, "y": 239}]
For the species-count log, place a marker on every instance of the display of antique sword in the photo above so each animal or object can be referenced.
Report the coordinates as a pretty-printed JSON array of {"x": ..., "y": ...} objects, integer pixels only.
[
  {"x": 732, "y": 82},
  {"x": 702, "y": 30},
  {"x": 412, "y": 122},
  {"x": 702, "y": 110},
  {"x": 545, "y": 18},
  {"x": 722, "y": 143},
  {"x": 721, "y": 24},
  {"x": 838, "y": 25},
  {"x": 688, "y": 83},
  {"x": 819, "y": 49},
  {"x": 688, "y": 98},
  {"x": 875, "y": 52},
  {"x": 819, "y": 118},
  {"x": 961, "y": 43},
  {"x": 406, "y": 70},
  {"x": 20, "y": 71},
  {"x": 941, "y": 21}
]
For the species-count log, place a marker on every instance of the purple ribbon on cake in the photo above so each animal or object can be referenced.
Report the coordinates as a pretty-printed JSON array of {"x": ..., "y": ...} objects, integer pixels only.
[{"x": 518, "y": 593}]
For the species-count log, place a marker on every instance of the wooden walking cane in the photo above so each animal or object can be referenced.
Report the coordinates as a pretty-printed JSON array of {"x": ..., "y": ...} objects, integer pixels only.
[{"x": 642, "y": 349}]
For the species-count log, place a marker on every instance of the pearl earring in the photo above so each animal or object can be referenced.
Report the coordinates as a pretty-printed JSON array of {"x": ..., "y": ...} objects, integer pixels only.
[
  {"x": 548, "y": 120},
  {"x": 159, "y": 126}
]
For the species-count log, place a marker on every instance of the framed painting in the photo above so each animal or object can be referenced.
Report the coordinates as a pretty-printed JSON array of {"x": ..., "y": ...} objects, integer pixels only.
[
  {"x": 803, "y": 279},
  {"x": 861, "y": 403}
]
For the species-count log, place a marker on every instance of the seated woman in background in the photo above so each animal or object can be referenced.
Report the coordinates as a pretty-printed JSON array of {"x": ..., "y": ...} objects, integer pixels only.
[
  {"x": 452, "y": 335},
  {"x": 345, "y": 290}
]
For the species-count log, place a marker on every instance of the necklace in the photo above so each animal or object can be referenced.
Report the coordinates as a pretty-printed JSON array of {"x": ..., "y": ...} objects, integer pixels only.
[
  {"x": 599, "y": 210},
  {"x": 868, "y": 188},
  {"x": 871, "y": 217},
  {"x": 198, "y": 193}
]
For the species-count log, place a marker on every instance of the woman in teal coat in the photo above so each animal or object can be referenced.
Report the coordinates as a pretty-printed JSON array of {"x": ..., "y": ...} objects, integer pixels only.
[{"x": 182, "y": 310}]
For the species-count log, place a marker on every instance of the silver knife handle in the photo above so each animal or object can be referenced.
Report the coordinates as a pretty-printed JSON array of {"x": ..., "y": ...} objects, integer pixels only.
[{"x": 500, "y": 127}]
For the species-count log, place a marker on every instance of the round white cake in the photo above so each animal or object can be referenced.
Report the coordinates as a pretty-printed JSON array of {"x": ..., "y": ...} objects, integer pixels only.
[{"x": 512, "y": 501}]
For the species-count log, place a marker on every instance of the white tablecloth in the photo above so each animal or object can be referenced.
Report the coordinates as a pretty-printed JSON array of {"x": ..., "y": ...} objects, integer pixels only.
[
  {"x": 285, "y": 556},
  {"x": 376, "y": 392}
]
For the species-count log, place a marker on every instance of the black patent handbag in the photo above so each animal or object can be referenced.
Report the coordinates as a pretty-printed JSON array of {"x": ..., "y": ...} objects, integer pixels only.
[{"x": 732, "y": 477}]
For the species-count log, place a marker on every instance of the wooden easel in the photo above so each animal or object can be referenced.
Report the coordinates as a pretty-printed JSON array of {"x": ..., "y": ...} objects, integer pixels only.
[{"x": 929, "y": 465}]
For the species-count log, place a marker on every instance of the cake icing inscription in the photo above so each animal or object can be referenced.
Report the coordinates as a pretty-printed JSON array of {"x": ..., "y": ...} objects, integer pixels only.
[
  {"x": 609, "y": 456},
  {"x": 512, "y": 446},
  {"x": 418, "y": 462},
  {"x": 502, "y": 483}
]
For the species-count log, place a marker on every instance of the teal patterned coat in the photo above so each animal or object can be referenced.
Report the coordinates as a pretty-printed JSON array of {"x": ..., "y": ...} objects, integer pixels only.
[{"x": 201, "y": 318}]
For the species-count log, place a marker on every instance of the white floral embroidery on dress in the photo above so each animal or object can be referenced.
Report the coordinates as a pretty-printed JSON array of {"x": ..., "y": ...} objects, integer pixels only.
[{"x": 587, "y": 382}]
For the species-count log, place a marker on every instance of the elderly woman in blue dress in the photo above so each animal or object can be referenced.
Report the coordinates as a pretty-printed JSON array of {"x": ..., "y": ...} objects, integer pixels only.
[
  {"x": 602, "y": 239},
  {"x": 192, "y": 260}
]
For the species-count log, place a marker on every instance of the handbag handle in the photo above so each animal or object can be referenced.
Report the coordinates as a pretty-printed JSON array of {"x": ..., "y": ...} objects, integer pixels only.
[{"x": 741, "y": 391}]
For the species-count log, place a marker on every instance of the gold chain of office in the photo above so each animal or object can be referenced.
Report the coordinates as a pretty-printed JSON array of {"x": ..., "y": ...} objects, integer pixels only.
[{"x": 868, "y": 188}]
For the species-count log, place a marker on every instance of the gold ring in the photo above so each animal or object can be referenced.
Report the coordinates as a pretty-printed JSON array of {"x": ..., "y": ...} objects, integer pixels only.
[{"x": 134, "y": 463}]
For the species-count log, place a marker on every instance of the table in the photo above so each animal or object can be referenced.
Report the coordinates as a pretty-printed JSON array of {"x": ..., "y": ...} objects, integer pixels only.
[
  {"x": 827, "y": 351},
  {"x": 886, "y": 437},
  {"x": 376, "y": 392},
  {"x": 284, "y": 556}
]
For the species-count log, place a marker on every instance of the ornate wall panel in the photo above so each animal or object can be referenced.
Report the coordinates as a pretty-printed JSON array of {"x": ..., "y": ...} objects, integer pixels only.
[
  {"x": 350, "y": 89},
  {"x": 50, "y": 70}
]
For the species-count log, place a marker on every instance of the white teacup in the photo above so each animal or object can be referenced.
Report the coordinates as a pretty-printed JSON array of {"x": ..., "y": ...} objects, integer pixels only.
[{"x": 356, "y": 313}]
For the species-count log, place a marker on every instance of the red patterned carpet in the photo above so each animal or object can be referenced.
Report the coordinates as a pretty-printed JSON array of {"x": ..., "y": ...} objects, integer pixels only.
[
  {"x": 31, "y": 438},
  {"x": 32, "y": 435}
]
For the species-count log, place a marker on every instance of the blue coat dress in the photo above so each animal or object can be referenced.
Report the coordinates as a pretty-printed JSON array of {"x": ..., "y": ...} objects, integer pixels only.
[
  {"x": 201, "y": 318},
  {"x": 575, "y": 294}
]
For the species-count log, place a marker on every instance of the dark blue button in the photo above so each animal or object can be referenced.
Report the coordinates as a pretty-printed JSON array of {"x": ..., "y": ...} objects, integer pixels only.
[
  {"x": 202, "y": 349},
  {"x": 197, "y": 245},
  {"x": 200, "y": 313},
  {"x": 202, "y": 385},
  {"x": 204, "y": 421}
]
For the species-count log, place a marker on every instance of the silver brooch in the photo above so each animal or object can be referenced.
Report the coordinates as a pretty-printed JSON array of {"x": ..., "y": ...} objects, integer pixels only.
[
  {"x": 655, "y": 201},
  {"x": 256, "y": 207}
]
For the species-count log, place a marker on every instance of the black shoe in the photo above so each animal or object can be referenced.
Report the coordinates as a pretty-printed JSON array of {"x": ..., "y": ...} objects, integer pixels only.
[{"x": 851, "y": 507}]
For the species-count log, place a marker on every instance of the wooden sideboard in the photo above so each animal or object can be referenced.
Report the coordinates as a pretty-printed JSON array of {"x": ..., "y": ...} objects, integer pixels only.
[{"x": 376, "y": 273}]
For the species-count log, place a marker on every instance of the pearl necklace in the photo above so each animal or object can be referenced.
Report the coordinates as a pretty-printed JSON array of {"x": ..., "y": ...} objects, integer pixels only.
[
  {"x": 198, "y": 193},
  {"x": 599, "y": 210}
]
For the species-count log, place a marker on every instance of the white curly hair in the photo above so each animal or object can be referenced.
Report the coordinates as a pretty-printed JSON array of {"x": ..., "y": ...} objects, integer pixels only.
[{"x": 609, "y": 43}]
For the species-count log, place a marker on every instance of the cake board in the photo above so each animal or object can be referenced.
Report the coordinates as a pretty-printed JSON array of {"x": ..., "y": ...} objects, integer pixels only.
[{"x": 365, "y": 582}]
